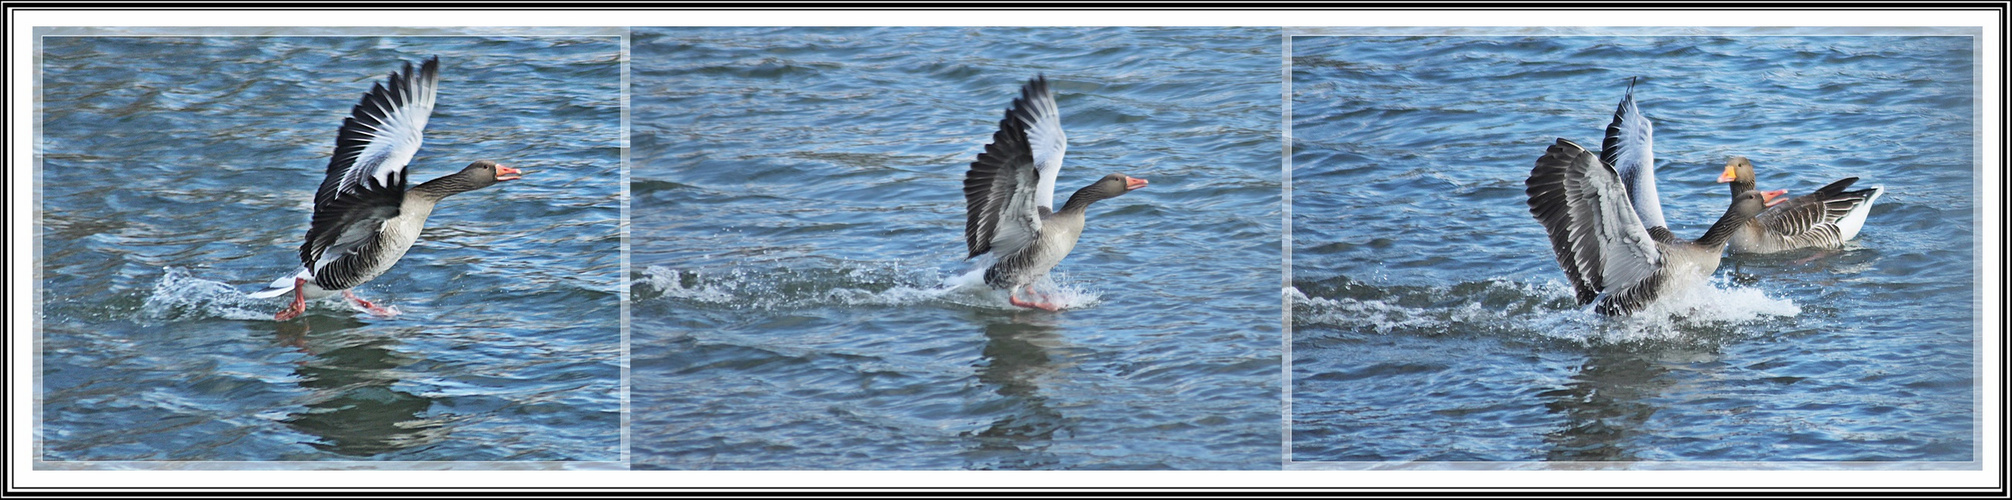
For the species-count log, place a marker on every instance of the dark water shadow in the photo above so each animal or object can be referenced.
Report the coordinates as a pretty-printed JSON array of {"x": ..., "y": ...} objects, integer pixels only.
[
  {"x": 352, "y": 407},
  {"x": 1608, "y": 401},
  {"x": 1016, "y": 356}
]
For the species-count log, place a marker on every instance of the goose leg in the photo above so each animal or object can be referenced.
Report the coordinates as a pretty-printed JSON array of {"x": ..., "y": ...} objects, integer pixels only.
[
  {"x": 367, "y": 306},
  {"x": 299, "y": 302}
]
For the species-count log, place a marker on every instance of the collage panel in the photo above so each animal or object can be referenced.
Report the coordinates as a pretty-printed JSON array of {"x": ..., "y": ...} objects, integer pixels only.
[
  {"x": 1458, "y": 246},
  {"x": 182, "y": 170},
  {"x": 802, "y": 215}
]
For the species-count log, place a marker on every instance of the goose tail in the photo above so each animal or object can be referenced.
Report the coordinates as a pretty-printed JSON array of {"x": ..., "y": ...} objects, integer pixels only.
[
  {"x": 282, "y": 286},
  {"x": 1855, "y": 220}
]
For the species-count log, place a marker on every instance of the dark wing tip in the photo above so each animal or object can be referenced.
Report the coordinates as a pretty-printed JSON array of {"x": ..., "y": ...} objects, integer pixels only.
[{"x": 1835, "y": 188}]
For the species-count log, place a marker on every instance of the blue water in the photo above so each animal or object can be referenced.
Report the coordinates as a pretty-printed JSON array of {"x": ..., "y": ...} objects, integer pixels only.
[
  {"x": 1432, "y": 324},
  {"x": 798, "y": 211},
  {"x": 178, "y": 173}
]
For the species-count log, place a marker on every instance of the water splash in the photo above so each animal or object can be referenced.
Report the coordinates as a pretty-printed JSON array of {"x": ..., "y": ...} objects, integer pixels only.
[
  {"x": 181, "y": 296},
  {"x": 845, "y": 284},
  {"x": 1546, "y": 309}
]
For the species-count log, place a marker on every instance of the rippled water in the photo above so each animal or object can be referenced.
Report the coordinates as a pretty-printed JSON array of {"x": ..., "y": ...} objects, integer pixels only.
[
  {"x": 178, "y": 173},
  {"x": 1430, "y": 322},
  {"x": 798, "y": 213}
]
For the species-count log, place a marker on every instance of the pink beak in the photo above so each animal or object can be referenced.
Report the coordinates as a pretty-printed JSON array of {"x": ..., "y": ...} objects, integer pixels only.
[
  {"x": 1775, "y": 197},
  {"x": 508, "y": 174},
  {"x": 1132, "y": 183}
]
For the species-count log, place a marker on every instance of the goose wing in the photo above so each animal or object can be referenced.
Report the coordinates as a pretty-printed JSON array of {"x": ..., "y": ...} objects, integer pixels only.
[
  {"x": 1815, "y": 218},
  {"x": 1011, "y": 186},
  {"x": 1583, "y": 204},
  {"x": 1630, "y": 147},
  {"x": 1044, "y": 135},
  {"x": 366, "y": 177}
]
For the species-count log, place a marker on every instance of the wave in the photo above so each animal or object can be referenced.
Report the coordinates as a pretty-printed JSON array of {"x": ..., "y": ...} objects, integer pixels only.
[
  {"x": 180, "y": 295},
  {"x": 1546, "y": 309},
  {"x": 843, "y": 284}
]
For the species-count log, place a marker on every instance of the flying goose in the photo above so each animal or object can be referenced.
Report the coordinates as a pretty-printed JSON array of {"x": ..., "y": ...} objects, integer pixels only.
[
  {"x": 1009, "y": 195},
  {"x": 1606, "y": 225},
  {"x": 364, "y": 217},
  {"x": 1824, "y": 219}
]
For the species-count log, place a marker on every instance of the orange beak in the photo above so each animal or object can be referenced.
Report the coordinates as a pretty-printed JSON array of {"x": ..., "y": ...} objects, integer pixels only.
[
  {"x": 1132, "y": 183},
  {"x": 508, "y": 174},
  {"x": 1775, "y": 197},
  {"x": 1729, "y": 176}
]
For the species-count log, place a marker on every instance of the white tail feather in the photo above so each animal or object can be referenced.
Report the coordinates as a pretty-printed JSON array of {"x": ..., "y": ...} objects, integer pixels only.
[
  {"x": 1847, "y": 228},
  {"x": 282, "y": 286}
]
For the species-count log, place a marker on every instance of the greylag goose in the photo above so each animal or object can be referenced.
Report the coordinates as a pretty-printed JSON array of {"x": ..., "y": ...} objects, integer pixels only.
[
  {"x": 364, "y": 217},
  {"x": 1606, "y": 226},
  {"x": 1824, "y": 219},
  {"x": 1009, "y": 197}
]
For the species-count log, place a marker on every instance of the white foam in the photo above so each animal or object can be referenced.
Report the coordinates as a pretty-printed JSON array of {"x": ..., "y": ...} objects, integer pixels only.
[
  {"x": 1534, "y": 311},
  {"x": 670, "y": 283},
  {"x": 180, "y": 295},
  {"x": 848, "y": 284}
]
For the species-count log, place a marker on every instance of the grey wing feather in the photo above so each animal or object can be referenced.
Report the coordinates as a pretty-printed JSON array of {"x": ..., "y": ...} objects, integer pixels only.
[
  {"x": 1595, "y": 234},
  {"x": 1630, "y": 147},
  {"x": 1037, "y": 110},
  {"x": 1002, "y": 214}
]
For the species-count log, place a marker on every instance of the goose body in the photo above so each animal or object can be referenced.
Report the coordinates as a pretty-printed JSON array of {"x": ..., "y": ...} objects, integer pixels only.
[
  {"x": 365, "y": 218},
  {"x": 1825, "y": 218},
  {"x": 1009, "y": 196},
  {"x": 1607, "y": 234}
]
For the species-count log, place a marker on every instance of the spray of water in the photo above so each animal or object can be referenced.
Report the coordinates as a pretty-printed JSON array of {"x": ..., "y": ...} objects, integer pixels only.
[
  {"x": 848, "y": 284},
  {"x": 1546, "y": 309}
]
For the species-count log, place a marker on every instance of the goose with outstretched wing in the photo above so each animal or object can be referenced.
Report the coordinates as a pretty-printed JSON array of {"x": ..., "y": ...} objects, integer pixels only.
[
  {"x": 1606, "y": 226},
  {"x": 365, "y": 218},
  {"x": 1009, "y": 197}
]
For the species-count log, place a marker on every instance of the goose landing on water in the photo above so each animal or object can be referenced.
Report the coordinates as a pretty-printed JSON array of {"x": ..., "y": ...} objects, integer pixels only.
[
  {"x": 1823, "y": 219},
  {"x": 1606, "y": 226},
  {"x": 364, "y": 217},
  {"x": 1009, "y": 195}
]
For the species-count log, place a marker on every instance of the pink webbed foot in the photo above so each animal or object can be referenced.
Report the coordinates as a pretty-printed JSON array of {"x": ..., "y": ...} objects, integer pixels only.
[
  {"x": 375, "y": 309},
  {"x": 1045, "y": 305},
  {"x": 299, "y": 302}
]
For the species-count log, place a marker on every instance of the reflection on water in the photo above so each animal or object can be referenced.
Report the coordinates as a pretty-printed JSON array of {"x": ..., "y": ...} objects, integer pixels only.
[
  {"x": 1604, "y": 406},
  {"x": 351, "y": 405},
  {"x": 1015, "y": 359}
]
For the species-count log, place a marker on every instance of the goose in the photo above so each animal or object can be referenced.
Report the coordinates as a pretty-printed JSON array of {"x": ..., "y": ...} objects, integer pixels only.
[
  {"x": 1009, "y": 195},
  {"x": 364, "y": 216},
  {"x": 1606, "y": 225},
  {"x": 1824, "y": 219}
]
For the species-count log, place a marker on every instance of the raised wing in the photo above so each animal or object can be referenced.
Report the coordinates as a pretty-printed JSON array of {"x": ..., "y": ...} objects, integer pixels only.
[
  {"x": 1595, "y": 234},
  {"x": 1630, "y": 147},
  {"x": 1006, "y": 192},
  {"x": 366, "y": 177},
  {"x": 1036, "y": 107}
]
